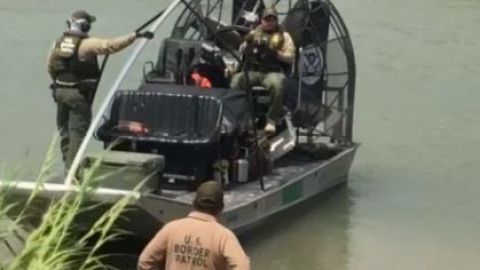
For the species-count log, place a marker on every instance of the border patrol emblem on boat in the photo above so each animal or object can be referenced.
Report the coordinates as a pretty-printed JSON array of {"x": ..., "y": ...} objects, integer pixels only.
[{"x": 311, "y": 63}]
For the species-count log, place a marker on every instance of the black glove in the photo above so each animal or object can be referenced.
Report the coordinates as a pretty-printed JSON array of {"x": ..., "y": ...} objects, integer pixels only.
[
  {"x": 145, "y": 34},
  {"x": 268, "y": 53},
  {"x": 263, "y": 42}
]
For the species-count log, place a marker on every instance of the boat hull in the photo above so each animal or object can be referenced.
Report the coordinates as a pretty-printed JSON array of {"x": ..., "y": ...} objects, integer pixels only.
[
  {"x": 245, "y": 205},
  {"x": 248, "y": 204}
]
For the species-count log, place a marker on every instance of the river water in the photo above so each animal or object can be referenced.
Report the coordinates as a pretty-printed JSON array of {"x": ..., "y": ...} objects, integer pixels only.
[{"x": 414, "y": 192}]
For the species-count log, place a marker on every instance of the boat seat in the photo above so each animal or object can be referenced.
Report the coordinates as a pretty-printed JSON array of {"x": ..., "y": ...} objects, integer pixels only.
[
  {"x": 177, "y": 56},
  {"x": 153, "y": 76},
  {"x": 185, "y": 124},
  {"x": 197, "y": 118}
]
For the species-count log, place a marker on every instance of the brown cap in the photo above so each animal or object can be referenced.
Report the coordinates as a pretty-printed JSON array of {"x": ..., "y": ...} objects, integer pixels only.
[
  {"x": 270, "y": 11},
  {"x": 82, "y": 14},
  {"x": 209, "y": 198}
]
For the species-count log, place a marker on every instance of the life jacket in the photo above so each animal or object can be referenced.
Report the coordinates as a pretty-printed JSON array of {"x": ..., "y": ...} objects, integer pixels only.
[
  {"x": 263, "y": 45},
  {"x": 69, "y": 69}
]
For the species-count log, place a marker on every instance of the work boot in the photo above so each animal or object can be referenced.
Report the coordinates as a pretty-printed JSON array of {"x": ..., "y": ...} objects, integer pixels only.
[{"x": 270, "y": 128}]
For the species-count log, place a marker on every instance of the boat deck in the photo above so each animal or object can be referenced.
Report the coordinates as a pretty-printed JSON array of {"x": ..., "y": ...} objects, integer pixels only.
[
  {"x": 285, "y": 170},
  {"x": 288, "y": 169}
]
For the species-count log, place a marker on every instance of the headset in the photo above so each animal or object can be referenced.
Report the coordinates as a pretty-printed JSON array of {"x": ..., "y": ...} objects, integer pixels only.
[{"x": 85, "y": 26}]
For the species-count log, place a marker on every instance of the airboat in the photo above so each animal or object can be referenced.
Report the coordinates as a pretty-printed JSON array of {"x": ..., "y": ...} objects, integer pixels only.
[{"x": 159, "y": 128}]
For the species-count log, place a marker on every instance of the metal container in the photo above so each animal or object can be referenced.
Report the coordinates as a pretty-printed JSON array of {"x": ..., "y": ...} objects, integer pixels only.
[{"x": 241, "y": 170}]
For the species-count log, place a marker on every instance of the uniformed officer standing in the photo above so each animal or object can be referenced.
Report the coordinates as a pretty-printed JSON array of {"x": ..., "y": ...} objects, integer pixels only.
[
  {"x": 74, "y": 69},
  {"x": 197, "y": 241},
  {"x": 268, "y": 51}
]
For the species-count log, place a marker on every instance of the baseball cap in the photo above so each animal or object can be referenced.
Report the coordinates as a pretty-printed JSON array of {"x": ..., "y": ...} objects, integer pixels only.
[
  {"x": 270, "y": 11},
  {"x": 82, "y": 14},
  {"x": 209, "y": 197}
]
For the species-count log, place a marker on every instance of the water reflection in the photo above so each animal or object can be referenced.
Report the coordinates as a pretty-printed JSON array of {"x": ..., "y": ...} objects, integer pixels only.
[{"x": 312, "y": 235}]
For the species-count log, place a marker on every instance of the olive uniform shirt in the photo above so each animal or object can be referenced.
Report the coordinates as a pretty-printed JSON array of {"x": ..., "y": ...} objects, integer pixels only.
[{"x": 197, "y": 242}]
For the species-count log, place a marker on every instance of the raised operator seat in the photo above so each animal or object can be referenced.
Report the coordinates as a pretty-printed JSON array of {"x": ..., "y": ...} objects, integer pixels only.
[{"x": 296, "y": 103}]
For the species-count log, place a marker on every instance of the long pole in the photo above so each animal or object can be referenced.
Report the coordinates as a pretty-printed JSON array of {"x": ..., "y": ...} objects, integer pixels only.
[
  {"x": 105, "y": 59},
  {"x": 147, "y": 23},
  {"x": 98, "y": 117}
]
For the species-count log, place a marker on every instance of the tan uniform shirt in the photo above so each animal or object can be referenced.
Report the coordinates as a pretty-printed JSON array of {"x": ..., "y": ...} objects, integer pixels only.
[
  {"x": 91, "y": 47},
  {"x": 197, "y": 242},
  {"x": 287, "y": 52}
]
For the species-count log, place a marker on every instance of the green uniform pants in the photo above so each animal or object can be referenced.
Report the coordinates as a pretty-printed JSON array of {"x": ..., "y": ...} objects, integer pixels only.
[
  {"x": 273, "y": 81},
  {"x": 73, "y": 119}
]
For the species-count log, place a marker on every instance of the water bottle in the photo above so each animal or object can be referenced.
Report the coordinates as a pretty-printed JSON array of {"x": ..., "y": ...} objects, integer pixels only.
[{"x": 241, "y": 170}]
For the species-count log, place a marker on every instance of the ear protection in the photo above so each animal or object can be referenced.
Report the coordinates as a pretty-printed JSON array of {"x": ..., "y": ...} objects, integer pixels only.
[{"x": 83, "y": 24}]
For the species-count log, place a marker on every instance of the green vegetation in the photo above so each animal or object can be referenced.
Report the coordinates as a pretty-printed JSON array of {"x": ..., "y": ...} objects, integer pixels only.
[{"x": 58, "y": 243}]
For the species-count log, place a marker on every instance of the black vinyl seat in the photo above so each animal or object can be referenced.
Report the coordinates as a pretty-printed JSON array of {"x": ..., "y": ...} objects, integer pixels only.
[
  {"x": 170, "y": 118},
  {"x": 185, "y": 124}
]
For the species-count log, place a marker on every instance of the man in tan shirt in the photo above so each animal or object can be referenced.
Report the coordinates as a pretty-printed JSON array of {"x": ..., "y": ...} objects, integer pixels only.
[
  {"x": 74, "y": 69},
  {"x": 268, "y": 51},
  {"x": 197, "y": 242}
]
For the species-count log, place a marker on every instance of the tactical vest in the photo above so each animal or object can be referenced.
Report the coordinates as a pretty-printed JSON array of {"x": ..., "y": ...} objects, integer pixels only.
[
  {"x": 69, "y": 69},
  {"x": 266, "y": 44}
]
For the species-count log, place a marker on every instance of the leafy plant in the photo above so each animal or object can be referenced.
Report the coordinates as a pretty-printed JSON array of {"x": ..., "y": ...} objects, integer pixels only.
[{"x": 58, "y": 243}]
